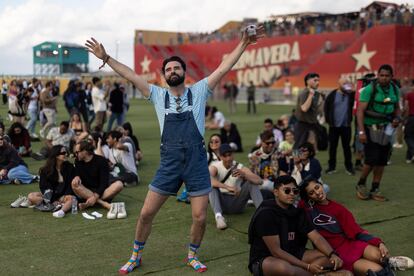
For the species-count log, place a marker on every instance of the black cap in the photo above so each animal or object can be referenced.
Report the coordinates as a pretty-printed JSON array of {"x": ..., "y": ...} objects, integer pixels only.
[{"x": 225, "y": 148}]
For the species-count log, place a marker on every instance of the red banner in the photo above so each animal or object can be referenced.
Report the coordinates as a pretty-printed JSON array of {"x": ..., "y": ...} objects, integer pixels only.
[{"x": 272, "y": 60}]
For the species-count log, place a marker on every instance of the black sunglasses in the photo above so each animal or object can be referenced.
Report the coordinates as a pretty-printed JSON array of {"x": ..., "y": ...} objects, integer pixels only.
[
  {"x": 179, "y": 108},
  {"x": 63, "y": 153},
  {"x": 291, "y": 190}
]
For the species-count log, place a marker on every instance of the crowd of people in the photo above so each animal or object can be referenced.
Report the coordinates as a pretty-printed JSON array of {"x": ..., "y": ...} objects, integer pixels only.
[
  {"x": 282, "y": 164},
  {"x": 313, "y": 23},
  {"x": 83, "y": 163}
]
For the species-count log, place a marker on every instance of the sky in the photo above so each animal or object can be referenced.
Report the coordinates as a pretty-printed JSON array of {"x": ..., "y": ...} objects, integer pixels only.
[{"x": 26, "y": 23}]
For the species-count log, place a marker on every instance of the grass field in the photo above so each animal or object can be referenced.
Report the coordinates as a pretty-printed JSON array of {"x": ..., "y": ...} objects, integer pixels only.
[{"x": 34, "y": 243}]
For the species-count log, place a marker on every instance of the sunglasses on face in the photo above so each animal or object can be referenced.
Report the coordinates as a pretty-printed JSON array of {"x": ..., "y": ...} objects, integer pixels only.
[
  {"x": 291, "y": 190},
  {"x": 63, "y": 153},
  {"x": 179, "y": 108}
]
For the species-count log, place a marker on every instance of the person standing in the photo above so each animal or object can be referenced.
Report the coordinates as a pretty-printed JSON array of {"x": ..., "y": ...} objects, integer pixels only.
[
  {"x": 99, "y": 97},
  {"x": 49, "y": 102},
  {"x": 180, "y": 111},
  {"x": 4, "y": 89},
  {"x": 251, "y": 97},
  {"x": 338, "y": 114},
  {"x": 116, "y": 105},
  {"x": 378, "y": 113},
  {"x": 308, "y": 106}
]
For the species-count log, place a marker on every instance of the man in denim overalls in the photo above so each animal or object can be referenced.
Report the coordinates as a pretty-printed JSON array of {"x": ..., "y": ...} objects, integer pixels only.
[{"x": 180, "y": 112}]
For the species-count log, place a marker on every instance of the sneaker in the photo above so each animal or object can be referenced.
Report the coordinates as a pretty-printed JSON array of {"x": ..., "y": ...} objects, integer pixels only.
[
  {"x": 113, "y": 211},
  {"x": 37, "y": 156},
  {"x": 330, "y": 171},
  {"x": 376, "y": 195},
  {"x": 350, "y": 171},
  {"x": 362, "y": 192},
  {"x": 121, "y": 211},
  {"x": 400, "y": 263},
  {"x": 35, "y": 178},
  {"x": 408, "y": 161},
  {"x": 18, "y": 201},
  {"x": 25, "y": 203},
  {"x": 58, "y": 214},
  {"x": 34, "y": 135},
  {"x": 16, "y": 182},
  {"x": 397, "y": 146},
  {"x": 221, "y": 223}
]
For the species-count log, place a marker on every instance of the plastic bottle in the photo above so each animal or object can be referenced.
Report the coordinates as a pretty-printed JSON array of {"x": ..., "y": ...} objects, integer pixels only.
[{"x": 74, "y": 205}]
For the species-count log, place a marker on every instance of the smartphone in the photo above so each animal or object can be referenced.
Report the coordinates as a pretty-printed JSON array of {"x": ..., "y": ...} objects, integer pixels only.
[{"x": 329, "y": 267}]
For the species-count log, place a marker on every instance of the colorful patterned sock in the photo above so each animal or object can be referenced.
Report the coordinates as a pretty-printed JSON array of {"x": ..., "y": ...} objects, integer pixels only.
[
  {"x": 193, "y": 261},
  {"x": 135, "y": 260}
]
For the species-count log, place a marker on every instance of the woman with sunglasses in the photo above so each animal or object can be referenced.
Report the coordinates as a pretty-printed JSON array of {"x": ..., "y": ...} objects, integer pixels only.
[
  {"x": 361, "y": 252},
  {"x": 278, "y": 233},
  {"x": 56, "y": 177},
  {"x": 212, "y": 155}
]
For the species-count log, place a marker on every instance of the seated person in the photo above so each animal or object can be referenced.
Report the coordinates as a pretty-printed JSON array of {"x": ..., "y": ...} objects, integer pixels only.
[
  {"x": 92, "y": 183},
  {"x": 263, "y": 161},
  {"x": 12, "y": 167},
  {"x": 61, "y": 135},
  {"x": 283, "y": 123},
  {"x": 304, "y": 164},
  {"x": 55, "y": 183},
  {"x": 78, "y": 126},
  {"x": 121, "y": 156},
  {"x": 233, "y": 185},
  {"x": 214, "y": 118},
  {"x": 286, "y": 146},
  {"x": 101, "y": 148},
  {"x": 268, "y": 126},
  {"x": 359, "y": 250},
  {"x": 278, "y": 233},
  {"x": 230, "y": 135},
  {"x": 130, "y": 133},
  {"x": 20, "y": 139}
]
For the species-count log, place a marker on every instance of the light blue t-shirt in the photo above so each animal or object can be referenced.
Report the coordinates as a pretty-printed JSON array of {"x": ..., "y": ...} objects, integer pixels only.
[{"x": 200, "y": 93}]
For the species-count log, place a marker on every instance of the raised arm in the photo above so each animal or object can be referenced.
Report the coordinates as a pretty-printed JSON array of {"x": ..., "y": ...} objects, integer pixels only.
[
  {"x": 231, "y": 59},
  {"x": 98, "y": 50}
]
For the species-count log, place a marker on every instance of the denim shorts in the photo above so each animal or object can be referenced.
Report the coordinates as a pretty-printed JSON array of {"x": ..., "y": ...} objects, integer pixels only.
[{"x": 182, "y": 164}]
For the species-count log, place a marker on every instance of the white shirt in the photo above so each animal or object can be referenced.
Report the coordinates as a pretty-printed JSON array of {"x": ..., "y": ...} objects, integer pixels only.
[
  {"x": 126, "y": 158},
  {"x": 98, "y": 99},
  {"x": 219, "y": 119},
  {"x": 58, "y": 138},
  {"x": 221, "y": 173},
  {"x": 33, "y": 101}
]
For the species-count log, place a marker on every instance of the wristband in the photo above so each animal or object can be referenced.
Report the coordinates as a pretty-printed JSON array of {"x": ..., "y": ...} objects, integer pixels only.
[{"x": 105, "y": 60}]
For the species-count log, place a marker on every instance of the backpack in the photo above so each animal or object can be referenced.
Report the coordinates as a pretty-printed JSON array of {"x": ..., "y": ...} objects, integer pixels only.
[{"x": 370, "y": 112}]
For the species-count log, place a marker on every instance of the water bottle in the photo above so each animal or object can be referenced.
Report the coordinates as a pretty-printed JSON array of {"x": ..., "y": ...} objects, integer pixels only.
[{"x": 74, "y": 205}]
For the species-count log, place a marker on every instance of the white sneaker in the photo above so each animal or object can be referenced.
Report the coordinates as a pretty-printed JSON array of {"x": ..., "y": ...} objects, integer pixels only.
[
  {"x": 401, "y": 263},
  {"x": 113, "y": 211},
  {"x": 121, "y": 210},
  {"x": 25, "y": 203},
  {"x": 59, "y": 214},
  {"x": 18, "y": 201},
  {"x": 221, "y": 223}
]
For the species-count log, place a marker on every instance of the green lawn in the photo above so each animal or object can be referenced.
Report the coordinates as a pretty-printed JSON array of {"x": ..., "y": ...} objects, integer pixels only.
[{"x": 34, "y": 243}]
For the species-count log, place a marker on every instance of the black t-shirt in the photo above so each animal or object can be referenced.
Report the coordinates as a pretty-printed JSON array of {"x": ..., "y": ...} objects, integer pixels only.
[
  {"x": 94, "y": 174},
  {"x": 290, "y": 225}
]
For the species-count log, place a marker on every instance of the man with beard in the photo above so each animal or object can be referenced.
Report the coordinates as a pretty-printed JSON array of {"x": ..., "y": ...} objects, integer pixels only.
[{"x": 180, "y": 111}]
